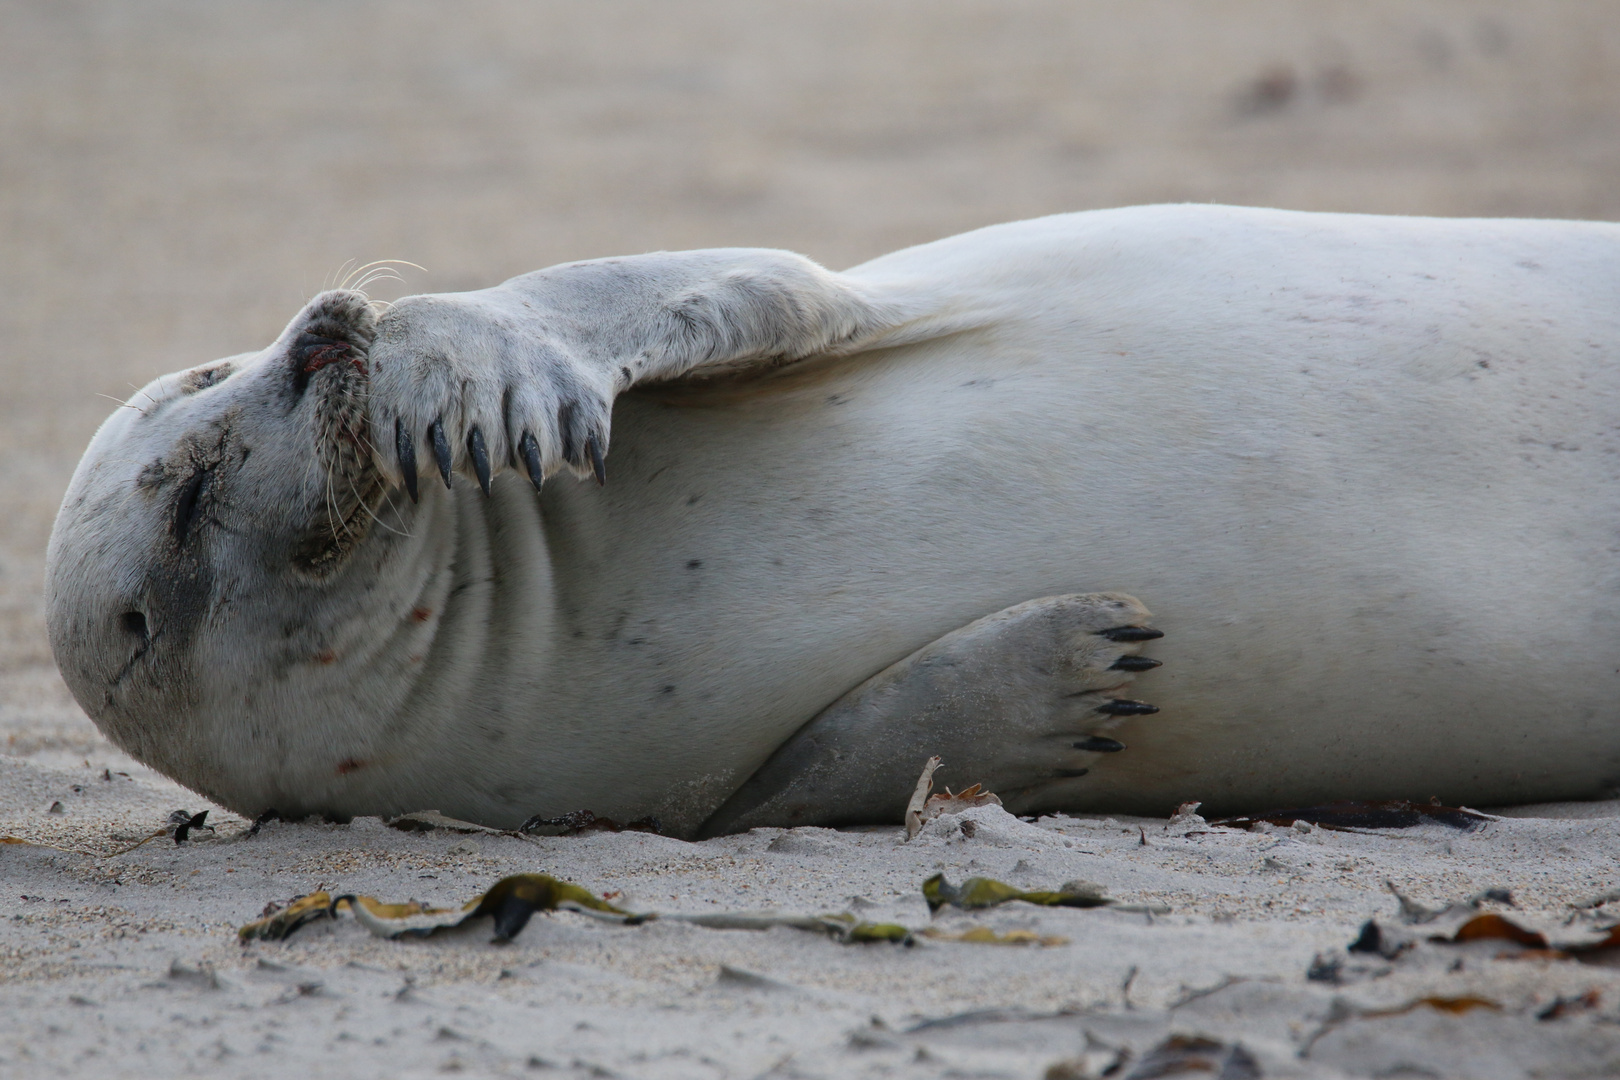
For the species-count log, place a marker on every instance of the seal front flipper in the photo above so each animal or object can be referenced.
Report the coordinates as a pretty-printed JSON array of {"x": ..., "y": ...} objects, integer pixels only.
[
  {"x": 1016, "y": 700},
  {"x": 525, "y": 374}
]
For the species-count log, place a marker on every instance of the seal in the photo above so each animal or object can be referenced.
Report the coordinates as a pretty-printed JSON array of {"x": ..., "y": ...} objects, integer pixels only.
[{"x": 1365, "y": 471}]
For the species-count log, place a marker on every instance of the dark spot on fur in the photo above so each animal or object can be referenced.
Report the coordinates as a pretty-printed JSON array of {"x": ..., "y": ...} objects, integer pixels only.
[
  {"x": 421, "y": 614},
  {"x": 694, "y": 564},
  {"x": 326, "y": 656},
  {"x": 667, "y": 690},
  {"x": 349, "y": 765}
]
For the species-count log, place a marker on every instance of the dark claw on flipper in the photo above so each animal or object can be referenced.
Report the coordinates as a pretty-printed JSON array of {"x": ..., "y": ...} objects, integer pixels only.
[
  {"x": 1070, "y": 774},
  {"x": 1132, "y": 633},
  {"x": 1096, "y": 744},
  {"x": 598, "y": 466},
  {"x": 480, "y": 457},
  {"x": 566, "y": 433},
  {"x": 405, "y": 448},
  {"x": 530, "y": 446},
  {"x": 441, "y": 449},
  {"x": 1126, "y": 707},
  {"x": 1134, "y": 663}
]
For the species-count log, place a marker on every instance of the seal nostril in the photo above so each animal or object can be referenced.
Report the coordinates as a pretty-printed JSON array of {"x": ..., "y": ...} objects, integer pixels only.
[{"x": 134, "y": 622}]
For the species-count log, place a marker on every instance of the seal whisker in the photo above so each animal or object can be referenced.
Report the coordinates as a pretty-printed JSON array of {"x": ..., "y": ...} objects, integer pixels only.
[
  {"x": 398, "y": 513},
  {"x": 372, "y": 513},
  {"x": 385, "y": 265},
  {"x": 342, "y": 273},
  {"x": 383, "y": 273},
  {"x": 123, "y": 404}
]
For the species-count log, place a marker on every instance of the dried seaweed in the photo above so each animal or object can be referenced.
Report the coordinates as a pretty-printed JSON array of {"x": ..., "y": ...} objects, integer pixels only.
[
  {"x": 580, "y": 821},
  {"x": 1489, "y": 926},
  {"x": 983, "y": 935},
  {"x": 1388, "y": 814},
  {"x": 513, "y": 900},
  {"x": 1500, "y": 928},
  {"x": 1570, "y": 1006},
  {"x": 981, "y": 892},
  {"x": 1414, "y": 912},
  {"x": 1342, "y": 1012},
  {"x": 1183, "y": 1054},
  {"x": 264, "y": 818},
  {"x": 955, "y": 802},
  {"x": 184, "y": 822},
  {"x": 1495, "y": 928},
  {"x": 179, "y": 825},
  {"x": 279, "y": 923}
]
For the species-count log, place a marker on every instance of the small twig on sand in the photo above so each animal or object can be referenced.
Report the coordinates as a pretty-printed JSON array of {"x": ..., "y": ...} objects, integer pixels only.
[{"x": 919, "y": 797}]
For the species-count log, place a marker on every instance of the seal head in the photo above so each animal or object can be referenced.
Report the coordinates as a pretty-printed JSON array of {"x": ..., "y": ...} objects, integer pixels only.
[{"x": 208, "y": 527}]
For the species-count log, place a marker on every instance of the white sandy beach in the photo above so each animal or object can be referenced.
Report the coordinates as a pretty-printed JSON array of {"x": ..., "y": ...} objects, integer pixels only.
[
  {"x": 176, "y": 178},
  {"x": 129, "y": 964}
]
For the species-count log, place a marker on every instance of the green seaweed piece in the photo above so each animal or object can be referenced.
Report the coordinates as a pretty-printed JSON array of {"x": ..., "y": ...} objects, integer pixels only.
[
  {"x": 279, "y": 925},
  {"x": 512, "y": 900},
  {"x": 981, "y": 892},
  {"x": 851, "y": 931}
]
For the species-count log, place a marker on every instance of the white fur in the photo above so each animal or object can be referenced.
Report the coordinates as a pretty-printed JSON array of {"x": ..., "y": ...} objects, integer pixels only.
[{"x": 1365, "y": 472}]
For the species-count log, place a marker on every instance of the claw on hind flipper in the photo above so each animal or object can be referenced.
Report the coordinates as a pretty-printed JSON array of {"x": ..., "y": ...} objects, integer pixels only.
[
  {"x": 1131, "y": 633},
  {"x": 1098, "y": 744},
  {"x": 1127, "y": 707},
  {"x": 1134, "y": 663}
]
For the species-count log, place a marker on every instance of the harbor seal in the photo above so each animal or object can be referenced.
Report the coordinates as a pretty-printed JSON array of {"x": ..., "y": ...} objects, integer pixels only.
[{"x": 1364, "y": 471}]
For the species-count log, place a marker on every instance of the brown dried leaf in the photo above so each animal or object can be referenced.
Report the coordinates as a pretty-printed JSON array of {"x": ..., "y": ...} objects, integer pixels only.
[
  {"x": 949, "y": 803},
  {"x": 1496, "y": 928},
  {"x": 1454, "y": 1005}
]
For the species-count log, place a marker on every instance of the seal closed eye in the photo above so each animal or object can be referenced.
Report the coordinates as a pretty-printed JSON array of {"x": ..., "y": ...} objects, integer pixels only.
[{"x": 191, "y": 496}]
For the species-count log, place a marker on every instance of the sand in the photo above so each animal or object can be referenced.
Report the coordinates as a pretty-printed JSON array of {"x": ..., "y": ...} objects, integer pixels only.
[
  {"x": 130, "y": 962},
  {"x": 176, "y": 178}
]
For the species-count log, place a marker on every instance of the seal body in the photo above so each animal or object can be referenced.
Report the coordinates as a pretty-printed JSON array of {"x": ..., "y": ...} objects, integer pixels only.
[{"x": 1364, "y": 471}]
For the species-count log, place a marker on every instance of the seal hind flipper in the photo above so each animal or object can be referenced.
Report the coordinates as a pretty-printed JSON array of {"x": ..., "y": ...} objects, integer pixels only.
[{"x": 1013, "y": 700}]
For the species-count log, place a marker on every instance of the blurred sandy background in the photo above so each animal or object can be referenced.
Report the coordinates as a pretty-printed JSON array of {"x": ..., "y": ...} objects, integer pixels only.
[{"x": 176, "y": 178}]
